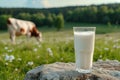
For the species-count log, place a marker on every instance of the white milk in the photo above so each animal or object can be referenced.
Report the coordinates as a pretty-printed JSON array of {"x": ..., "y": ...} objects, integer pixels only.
[{"x": 84, "y": 47}]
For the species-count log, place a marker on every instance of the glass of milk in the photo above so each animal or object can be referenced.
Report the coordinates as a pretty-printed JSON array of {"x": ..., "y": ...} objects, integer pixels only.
[{"x": 84, "y": 39}]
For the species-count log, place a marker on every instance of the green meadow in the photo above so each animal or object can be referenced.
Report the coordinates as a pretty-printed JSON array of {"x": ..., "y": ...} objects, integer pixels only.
[{"x": 57, "y": 46}]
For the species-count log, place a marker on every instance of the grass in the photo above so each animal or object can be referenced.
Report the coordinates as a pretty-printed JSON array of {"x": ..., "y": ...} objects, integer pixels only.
[{"x": 16, "y": 60}]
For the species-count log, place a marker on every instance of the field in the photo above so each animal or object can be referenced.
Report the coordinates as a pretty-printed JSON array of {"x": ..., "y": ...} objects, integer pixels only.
[{"x": 16, "y": 60}]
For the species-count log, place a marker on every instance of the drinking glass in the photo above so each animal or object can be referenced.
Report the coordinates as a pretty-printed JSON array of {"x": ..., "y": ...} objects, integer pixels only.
[{"x": 84, "y": 39}]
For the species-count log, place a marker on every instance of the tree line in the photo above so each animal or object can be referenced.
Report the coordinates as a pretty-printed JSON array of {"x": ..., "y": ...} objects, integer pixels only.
[{"x": 55, "y": 17}]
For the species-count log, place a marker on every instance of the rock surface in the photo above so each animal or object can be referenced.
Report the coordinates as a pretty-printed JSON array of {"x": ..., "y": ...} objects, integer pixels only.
[{"x": 102, "y": 70}]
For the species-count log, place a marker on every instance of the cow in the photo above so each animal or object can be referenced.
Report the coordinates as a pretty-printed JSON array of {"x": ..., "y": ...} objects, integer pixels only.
[{"x": 17, "y": 27}]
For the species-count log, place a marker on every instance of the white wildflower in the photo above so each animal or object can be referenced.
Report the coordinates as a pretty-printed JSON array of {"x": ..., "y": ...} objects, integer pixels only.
[
  {"x": 116, "y": 46},
  {"x": 6, "y": 57},
  {"x": 30, "y": 63},
  {"x": 38, "y": 57},
  {"x": 6, "y": 48},
  {"x": 10, "y": 50},
  {"x": 9, "y": 58},
  {"x": 100, "y": 56},
  {"x": 61, "y": 59},
  {"x": 19, "y": 59},
  {"x": 16, "y": 69},
  {"x": 35, "y": 49},
  {"x": 6, "y": 64},
  {"x": 106, "y": 49},
  {"x": 117, "y": 40},
  {"x": 39, "y": 46},
  {"x": 50, "y": 51}
]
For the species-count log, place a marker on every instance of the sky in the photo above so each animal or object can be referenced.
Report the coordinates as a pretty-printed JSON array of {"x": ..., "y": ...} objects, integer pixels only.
[{"x": 52, "y": 3}]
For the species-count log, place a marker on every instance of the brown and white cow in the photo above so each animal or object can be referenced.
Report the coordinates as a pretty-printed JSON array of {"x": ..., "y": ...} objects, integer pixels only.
[{"x": 17, "y": 27}]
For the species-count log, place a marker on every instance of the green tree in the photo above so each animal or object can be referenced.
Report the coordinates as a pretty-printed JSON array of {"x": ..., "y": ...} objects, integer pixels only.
[
  {"x": 103, "y": 14},
  {"x": 59, "y": 22},
  {"x": 3, "y": 21},
  {"x": 69, "y": 15},
  {"x": 24, "y": 16},
  {"x": 39, "y": 19},
  {"x": 117, "y": 15},
  {"x": 111, "y": 16},
  {"x": 49, "y": 20},
  {"x": 91, "y": 14}
]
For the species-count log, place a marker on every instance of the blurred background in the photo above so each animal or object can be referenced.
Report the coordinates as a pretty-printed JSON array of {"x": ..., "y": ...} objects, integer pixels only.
[{"x": 56, "y": 19}]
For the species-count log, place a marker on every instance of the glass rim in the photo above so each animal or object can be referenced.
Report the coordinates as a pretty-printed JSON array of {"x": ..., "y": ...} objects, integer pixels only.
[{"x": 84, "y": 27}]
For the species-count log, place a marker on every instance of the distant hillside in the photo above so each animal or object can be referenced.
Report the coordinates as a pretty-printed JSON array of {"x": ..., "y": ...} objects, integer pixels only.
[
  {"x": 14, "y": 11},
  {"x": 103, "y": 14}
]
